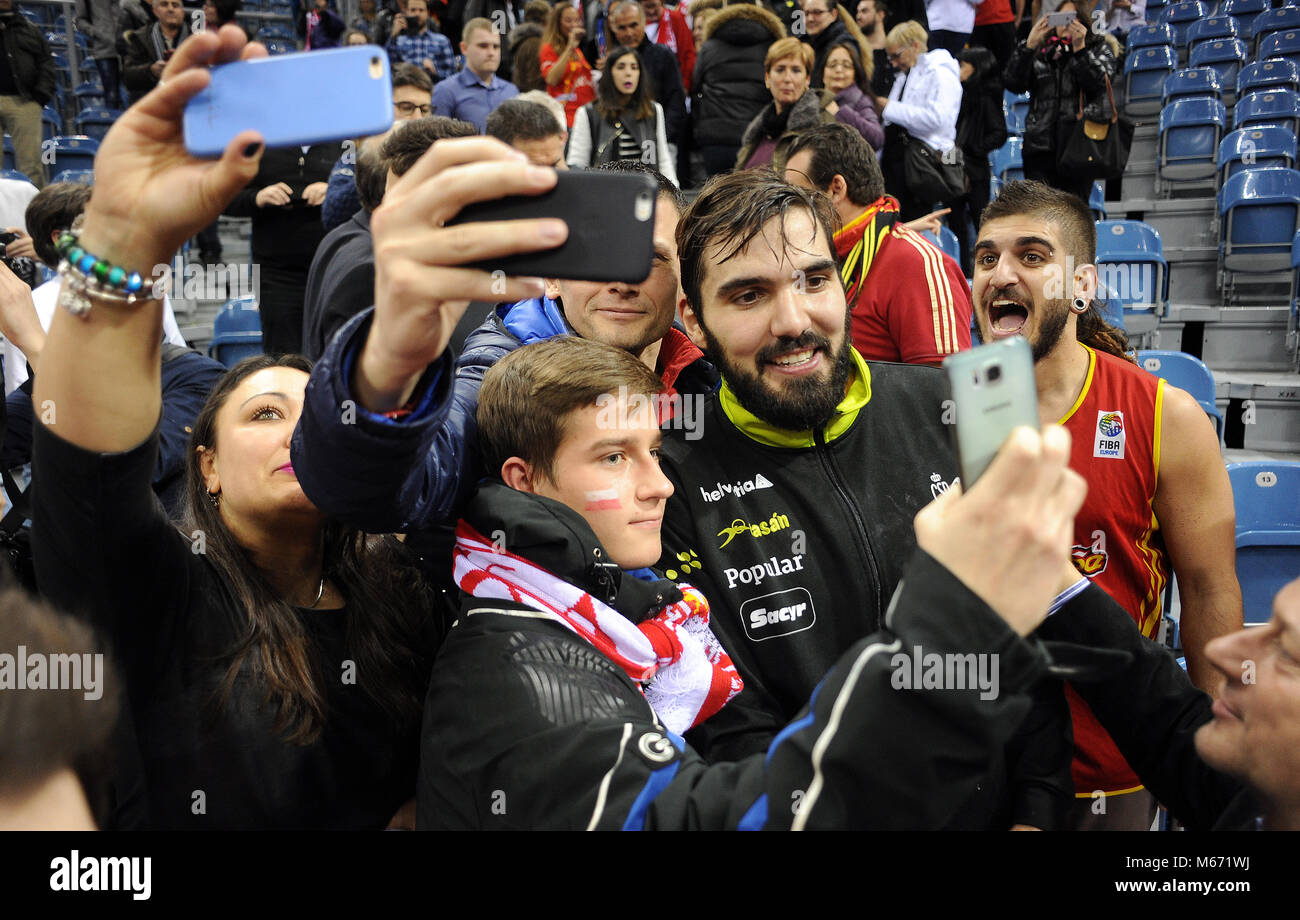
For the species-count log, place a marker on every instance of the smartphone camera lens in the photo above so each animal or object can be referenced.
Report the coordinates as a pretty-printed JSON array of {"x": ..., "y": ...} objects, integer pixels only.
[{"x": 995, "y": 373}]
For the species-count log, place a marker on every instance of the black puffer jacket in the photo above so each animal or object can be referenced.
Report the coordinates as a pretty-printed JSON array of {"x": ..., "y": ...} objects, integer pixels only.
[
  {"x": 728, "y": 87},
  {"x": 1054, "y": 86}
]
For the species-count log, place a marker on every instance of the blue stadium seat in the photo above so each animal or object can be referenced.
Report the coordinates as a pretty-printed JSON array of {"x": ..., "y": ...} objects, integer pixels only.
[
  {"x": 945, "y": 242},
  {"x": 1007, "y": 162},
  {"x": 1097, "y": 200},
  {"x": 1262, "y": 145},
  {"x": 1272, "y": 108},
  {"x": 1266, "y": 494},
  {"x": 278, "y": 46},
  {"x": 1188, "y": 373},
  {"x": 1271, "y": 21},
  {"x": 1196, "y": 81},
  {"x": 1213, "y": 29},
  {"x": 8, "y": 152},
  {"x": 1225, "y": 56},
  {"x": 1260, "y": 213},
  {"x": 51, "y": 123},
  {"x": 1281, "y": 45},
  {"x": 35, "y": 15},
  {"x": 95, "y": 122},
  {"x": 1293, "y": 327},
  {"x": 1150, "y": 34},
  {"x": 275, "y": 30},
  {"x": 1244, "y": 11},
  {"x": 74, "y": 151},
  {"x": 1266, "y": 75},
  {"x": 1145, "y": 72},
  {"x": 80, "y": 176},
  {"x": 1180, "y": 17},
  {"x": 1190, "y": 131},
  {"x": 236, "y": 331},
  {"x": 1131, "y": 263},
  {"x": 1015, "y": 121},
  {"x": 14, "y": 174},
  {"x": 1112, "y": 311},
  {"x": 89, "y": 96}
]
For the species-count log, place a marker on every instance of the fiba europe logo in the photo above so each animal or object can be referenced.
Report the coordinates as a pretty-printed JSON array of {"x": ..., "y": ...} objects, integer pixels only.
[{"x": 1110, "y": 435}]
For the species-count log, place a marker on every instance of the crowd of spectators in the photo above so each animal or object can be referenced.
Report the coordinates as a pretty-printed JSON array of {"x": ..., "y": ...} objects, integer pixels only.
[{"x": 242, "y": 524}]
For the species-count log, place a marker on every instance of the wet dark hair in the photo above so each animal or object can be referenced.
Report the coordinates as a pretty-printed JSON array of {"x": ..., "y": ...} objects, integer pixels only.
[
  {"x": 666, "y": 187},
  {"x": 519, "y": 119},
  {"x": 412, "y": 139},
  {"x": 388, "y": 603},
  {"x": 730, "y": 211}
]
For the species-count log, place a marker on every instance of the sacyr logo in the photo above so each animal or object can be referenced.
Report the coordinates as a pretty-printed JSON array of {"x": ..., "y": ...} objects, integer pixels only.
[{"x": 762, "y": 529}]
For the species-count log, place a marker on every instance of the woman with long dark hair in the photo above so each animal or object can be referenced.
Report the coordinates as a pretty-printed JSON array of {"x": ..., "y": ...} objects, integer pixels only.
[
  {"x": 274, "y": 660},
  {"x": 624, "y": 123}
]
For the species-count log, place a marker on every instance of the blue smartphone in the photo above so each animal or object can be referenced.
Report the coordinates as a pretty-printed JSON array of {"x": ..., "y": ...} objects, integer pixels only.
[{"x": 292, "y": 99}]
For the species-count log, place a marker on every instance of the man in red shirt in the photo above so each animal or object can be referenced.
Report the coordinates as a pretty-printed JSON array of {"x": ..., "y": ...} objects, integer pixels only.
[
  {"x": 909, "y": 301},
  {"x": 667, "y": 26},
  {"x": 1158, "y": 492}
]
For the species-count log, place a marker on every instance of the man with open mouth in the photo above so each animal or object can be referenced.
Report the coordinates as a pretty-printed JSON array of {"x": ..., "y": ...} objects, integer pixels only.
[{"x": 1158, "y": 493}]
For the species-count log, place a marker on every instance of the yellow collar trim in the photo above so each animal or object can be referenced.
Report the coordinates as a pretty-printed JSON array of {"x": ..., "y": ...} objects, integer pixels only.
[
  {"x": 846, "y": 413},
  {"x": 1087, "y": 385}
]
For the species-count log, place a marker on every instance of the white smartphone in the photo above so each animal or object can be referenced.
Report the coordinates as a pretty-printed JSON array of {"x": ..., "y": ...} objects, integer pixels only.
[
  {"x": 993, "y": 391},
  {"x": 1056, "y": 20}
]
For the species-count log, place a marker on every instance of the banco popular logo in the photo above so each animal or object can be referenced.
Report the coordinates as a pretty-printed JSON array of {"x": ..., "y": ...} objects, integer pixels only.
[
  {"x": 761, "y": 529},
  {"x": 1111, "y": 424}
]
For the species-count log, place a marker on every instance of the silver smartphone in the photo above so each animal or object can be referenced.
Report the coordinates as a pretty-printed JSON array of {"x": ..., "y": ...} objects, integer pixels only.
[
  {"x": 993, "y": 391},
  {"x": 1056, "y": 20}
]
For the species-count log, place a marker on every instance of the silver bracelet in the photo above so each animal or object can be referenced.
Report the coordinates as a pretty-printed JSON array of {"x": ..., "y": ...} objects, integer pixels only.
[{"x": 79, "y": 287}]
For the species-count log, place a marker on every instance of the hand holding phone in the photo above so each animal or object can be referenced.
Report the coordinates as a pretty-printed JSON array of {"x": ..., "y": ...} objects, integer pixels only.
[
  {"x": 993, "y": 392},
  {"x": 422, "y": 284}
]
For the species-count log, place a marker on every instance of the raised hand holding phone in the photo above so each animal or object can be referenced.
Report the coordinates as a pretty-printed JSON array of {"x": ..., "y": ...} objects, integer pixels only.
[{"x": 421, "y": 285}]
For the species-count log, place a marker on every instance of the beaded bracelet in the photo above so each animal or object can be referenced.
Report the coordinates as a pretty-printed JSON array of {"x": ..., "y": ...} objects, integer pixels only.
[{"x": 88, "y": 276}]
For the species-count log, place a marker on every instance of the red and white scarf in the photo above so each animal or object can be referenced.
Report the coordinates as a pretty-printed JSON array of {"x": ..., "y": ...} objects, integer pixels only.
[
  {"x": 682, "y": 669},
  {"x": 666, "y": 34}
]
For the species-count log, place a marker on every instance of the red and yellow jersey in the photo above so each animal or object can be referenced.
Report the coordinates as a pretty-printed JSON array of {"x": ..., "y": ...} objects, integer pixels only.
[{"x": 1115, "y": 427}]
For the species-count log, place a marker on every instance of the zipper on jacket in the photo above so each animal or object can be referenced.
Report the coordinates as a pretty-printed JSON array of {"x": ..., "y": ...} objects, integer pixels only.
[{"x": 833, "y": 474}]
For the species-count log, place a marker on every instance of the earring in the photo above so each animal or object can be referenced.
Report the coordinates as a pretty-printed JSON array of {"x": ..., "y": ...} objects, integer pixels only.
[
  {"x": 215, "y": 498},
  {"x": 1080, "y": 306}
]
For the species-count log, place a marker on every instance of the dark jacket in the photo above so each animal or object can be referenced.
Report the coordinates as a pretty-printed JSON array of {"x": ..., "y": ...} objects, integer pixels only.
[
  {"x": 340, "y": 284},
  {"x": 187, "y": 379},
  {"x": 808, "y": 112},
  {"x": 799, "y": 539},
  {"x": 287, "y": 237},
  {"x": 329, "y": 29},
  {"x": 728, "y": 88},
  {"x": 528, "y": 726},
  {"x": 1152, "y": 710},
  {"x": 29, "y": 59},
  {"x": 665, "y": 85},
  {"x": 821, "y": 45},
  {"x": 981, "y": 121},
  {"x": 1054, "y": 88},
  {"x": 140, "y": 56},
  {"x": 390, "y": 477}
]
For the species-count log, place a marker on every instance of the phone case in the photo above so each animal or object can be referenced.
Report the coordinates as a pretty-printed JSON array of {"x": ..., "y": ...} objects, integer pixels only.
[
  {"x": 611, "y": 219},
  {"x": 984, "y": 411},
  {"x": 305, "y": 98}
]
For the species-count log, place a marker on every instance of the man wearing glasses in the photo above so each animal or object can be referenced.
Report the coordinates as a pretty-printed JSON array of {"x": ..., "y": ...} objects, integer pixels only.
[{"x": 822, "y": 29}]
